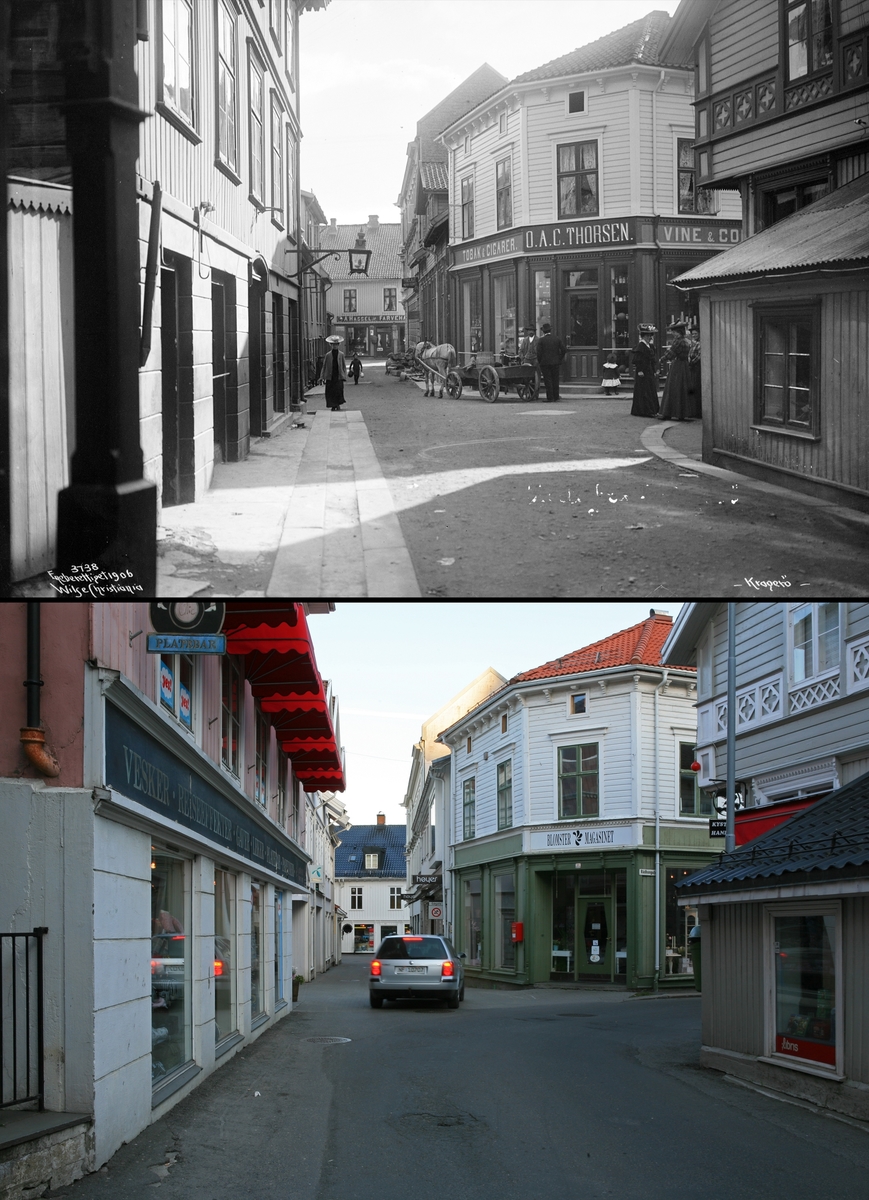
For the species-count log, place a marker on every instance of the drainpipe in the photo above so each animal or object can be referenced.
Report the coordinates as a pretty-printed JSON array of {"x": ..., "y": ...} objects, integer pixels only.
[
  {"x": 658, "y": 689},
  {"x": 729, "y": 827},
  {"x": 32, "y": 734}
]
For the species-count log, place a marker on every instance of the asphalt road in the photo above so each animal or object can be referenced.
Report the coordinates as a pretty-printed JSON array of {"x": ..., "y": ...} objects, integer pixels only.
[
  {"x": 517, "y": 1095},
  {"x": 535, "y": 499}
]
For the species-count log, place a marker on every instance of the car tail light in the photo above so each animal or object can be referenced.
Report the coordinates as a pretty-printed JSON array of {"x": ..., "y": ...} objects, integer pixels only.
[
  {"x": 447, "y": 968},
  {"x": 218, "y": 967},
  {"x": 375, "y": 967},
  {"x": 153, "y": 966},
  {"x": 412, "y": 939}
]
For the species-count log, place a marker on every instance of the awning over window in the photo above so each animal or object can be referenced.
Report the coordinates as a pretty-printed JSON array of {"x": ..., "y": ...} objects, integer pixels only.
[{"x": 282, "y": 671}]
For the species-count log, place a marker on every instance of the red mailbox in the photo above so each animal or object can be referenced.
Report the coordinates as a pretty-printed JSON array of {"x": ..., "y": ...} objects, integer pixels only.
[{"x": 516, "y": 931}]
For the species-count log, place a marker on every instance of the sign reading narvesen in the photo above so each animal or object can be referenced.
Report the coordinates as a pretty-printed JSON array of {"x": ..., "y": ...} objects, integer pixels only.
[
  {"x": 598, "y": 838},
  {"x": 142, "y": 769}
]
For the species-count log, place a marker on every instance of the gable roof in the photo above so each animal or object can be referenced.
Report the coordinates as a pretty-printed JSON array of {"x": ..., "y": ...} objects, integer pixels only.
[
  {"x": 639, "y": 645},
  {"x": 383, "y": 241},
  {"x": 831, "y": 835},
  {"x": 637, "y": 42},
  {"x": 479, "y": 85},
  {"x": 350, "y": 855}
]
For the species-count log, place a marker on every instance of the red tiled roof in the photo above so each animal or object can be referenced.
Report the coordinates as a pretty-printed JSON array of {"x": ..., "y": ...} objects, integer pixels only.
[
  {"x": 637, "y": 42},
  {"x": 639, "y": 645}
]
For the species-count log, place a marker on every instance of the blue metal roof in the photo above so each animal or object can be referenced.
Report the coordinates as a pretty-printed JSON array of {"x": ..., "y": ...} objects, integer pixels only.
[
  {"x": 388, "y": 839},
  {"x": 831, "y": 835}
]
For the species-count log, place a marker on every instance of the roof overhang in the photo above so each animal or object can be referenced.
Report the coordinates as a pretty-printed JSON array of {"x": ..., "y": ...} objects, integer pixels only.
[
  {"x": 282, "y": 672},
  {"x": 681, "y": 643}
]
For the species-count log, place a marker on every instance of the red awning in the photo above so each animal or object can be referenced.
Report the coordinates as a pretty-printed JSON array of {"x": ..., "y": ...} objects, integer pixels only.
[{"x": 282, "y": 671}]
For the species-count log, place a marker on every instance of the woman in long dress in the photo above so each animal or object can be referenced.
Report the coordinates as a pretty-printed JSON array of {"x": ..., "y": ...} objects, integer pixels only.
[
  {"x": 645, "y": 389},
  {"x": 334, "y": 374},
  {"x": 676, "y": 403},
  {"x": 694, "y": 373}
]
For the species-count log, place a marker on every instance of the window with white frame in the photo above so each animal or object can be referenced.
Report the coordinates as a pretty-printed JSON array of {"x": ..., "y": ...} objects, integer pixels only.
[
  {"x": 468, "y": 206},
  {"x": 231, "y": 708},
  {"x": 577, "y": 179},
  {"x": 176, "y": 687},
  {"x": 395, "y": 897},
  {"x": 356, "y": 897},
  {"x": 502, "y": 124},
  {"x": 372, "y": 861},
  {"x": 261, "y": 758},
  {"x": 691, "y": 198},
  {"x": 291, "y": 184},
  {"x": 504, "y": 192},
  {"x": 806, "y": 984},
  {"x": 503, "y": 722},
  {"x": 350, "y": 300},
  {"x": 692, "y": 802},
  {"x": 578, "y": 781},
  {"x": 227, "y": 85},
  {"x": 277, "y": 161},
  {"x": 390, "y": 299},
  {"x": 177, "y": 57},
  {"x": 578, "y": 702},
  {"x": 814, "y": 640},
  {"x": 505, "y": 794},
  {"x": 576, "y": 102},
  {"x": 469, "y": 803},
  {"x": 257, "y": 127}
]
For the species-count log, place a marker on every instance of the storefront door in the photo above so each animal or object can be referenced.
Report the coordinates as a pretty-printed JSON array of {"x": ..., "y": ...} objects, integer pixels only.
[
  {"x": 580, "y": 324},
  {"x": 588, "y": 925},
  {"x": 594, "y": 926}
]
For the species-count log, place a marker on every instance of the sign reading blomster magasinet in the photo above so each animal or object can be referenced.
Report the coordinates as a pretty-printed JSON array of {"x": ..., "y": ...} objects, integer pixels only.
[{"x": 576, "y": 837}]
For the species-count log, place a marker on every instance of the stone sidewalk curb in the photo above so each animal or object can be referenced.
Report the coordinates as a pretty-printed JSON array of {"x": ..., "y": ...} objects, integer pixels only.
[{"x": 652, "y": 439}]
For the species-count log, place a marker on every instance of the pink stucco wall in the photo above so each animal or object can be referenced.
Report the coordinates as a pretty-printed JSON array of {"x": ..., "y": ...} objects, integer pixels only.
[{"x": 65, "y": 647}]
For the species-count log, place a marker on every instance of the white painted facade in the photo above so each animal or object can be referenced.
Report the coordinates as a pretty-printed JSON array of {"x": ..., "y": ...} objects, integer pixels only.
[{"x": 382, "y": 908}]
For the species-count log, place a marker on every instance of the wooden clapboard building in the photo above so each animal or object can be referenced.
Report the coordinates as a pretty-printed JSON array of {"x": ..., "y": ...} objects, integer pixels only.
[{"x": 782, "y": 113}]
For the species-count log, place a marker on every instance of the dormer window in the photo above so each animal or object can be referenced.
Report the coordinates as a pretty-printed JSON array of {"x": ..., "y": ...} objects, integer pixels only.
[{"x": 372, "y": 861}]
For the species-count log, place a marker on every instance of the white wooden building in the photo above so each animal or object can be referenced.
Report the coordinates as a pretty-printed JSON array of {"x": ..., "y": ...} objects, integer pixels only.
[{"x": 369, "y": 881}]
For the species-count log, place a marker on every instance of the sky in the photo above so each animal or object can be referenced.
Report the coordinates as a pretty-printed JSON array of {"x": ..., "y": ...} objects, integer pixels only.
[
  {"x": 371, "y": 68},
  {"x": 393, "y": 665}
]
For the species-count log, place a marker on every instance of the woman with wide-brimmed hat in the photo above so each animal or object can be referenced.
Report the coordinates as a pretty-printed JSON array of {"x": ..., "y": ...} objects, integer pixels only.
[
  {"x": 677, "y": 404},
  {"x": 645, "y": 389},
  {"x": 334, "y": 373}
]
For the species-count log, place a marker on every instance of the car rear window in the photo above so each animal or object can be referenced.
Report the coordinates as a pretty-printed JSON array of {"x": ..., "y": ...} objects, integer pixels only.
[{"x": 396, "y": 947}]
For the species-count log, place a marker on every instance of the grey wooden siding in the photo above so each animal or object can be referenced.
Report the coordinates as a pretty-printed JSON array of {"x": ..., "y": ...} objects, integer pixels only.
[
  {"x": 842, "y": 453},
  {"x": 852, "y": 16},
  {"x": 855, "y": 1001},
  {"x": 744, "y": 40},
  {"x": 732, "y": 948},
  {"x": 853, "y": 769},
  {"x": 858, "y": 618},
  {"x": 816, "y": 733},
  {"x": 760, "y": 643}
]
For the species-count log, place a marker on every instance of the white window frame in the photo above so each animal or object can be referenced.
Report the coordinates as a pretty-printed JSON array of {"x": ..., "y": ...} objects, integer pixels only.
[
  {"x": 472, "y": 779},
  {"x": 575, "y": 91},
  {"x": 468, "y": 174},
  {"x": 503, "y": 763},
  {"x": 394, "y": 898},
  {"x": 804, "y": 908},
  {"x": 372, "y": 866},
  {"x": 565, "y": 137},
  {"x": 192, "y": 730},
  {"x": 687, "y": 134},
  {"x": 586, "y": 737},
  {"x": 818, "y": 675},
  {"x": 356, "y": 899},
  {"x": 571, "y": 712},
  {"x": 502, "y": 124}
]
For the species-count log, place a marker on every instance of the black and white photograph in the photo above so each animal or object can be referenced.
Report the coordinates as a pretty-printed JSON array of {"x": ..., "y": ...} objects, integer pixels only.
[{"x": 395, "y": 298}]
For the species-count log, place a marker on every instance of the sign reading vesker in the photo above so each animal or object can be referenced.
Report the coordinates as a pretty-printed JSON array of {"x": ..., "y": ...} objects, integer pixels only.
[
  {"x": 600, "y": 838},
  {"x": 139, "y": 767}
]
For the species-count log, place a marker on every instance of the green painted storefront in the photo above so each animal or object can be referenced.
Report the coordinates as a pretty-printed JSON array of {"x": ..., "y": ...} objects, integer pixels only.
[{"x": 586, "y": 917}]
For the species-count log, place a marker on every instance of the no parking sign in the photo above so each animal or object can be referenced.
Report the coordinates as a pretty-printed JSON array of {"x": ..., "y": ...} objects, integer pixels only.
[{"x": 435, "y": 912}]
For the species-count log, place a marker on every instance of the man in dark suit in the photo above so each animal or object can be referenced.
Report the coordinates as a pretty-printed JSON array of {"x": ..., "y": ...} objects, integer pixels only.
[{"x": 550, "y": 355}]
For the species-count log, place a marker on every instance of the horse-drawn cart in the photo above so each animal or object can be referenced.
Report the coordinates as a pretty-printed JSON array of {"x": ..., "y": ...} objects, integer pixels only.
[{"x": 491, "y": 374}]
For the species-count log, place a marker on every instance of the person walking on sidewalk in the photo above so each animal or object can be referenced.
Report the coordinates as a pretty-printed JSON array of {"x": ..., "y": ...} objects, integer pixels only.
[
  {"x": 645, "y": 389},
  {"x": 334, "y": 373},
  {"x": 550, "y": 355},
  {"x": 356, "y": 367}
]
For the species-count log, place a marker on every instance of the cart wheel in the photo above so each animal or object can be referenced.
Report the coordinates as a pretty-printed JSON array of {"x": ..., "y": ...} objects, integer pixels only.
[
  {"x": 526, "y": 390},
  {"x": 454, "y": 385},
  {"x": 489, "y": 384}
]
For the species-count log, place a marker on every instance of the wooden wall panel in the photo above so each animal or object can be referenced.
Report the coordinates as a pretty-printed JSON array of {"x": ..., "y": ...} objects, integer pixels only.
[
  {"x": 733, "y": 978},
  {"x": 744, "y": 40},
  {"x": 855, "y": 931}
]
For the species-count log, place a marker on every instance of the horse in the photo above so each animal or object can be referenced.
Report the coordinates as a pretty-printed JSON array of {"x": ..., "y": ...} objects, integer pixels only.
[{"x": 435, "y": 360}]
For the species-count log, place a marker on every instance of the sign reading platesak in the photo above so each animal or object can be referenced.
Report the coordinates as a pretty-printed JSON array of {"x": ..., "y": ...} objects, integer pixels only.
[{"x": 599, "y": 837}]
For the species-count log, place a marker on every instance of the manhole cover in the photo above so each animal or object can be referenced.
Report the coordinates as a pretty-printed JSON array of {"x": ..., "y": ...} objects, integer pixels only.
[{"x": 327, "y": 1039}]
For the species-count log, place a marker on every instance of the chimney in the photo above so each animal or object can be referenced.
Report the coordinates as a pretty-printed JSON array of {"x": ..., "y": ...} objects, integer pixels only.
[
  {"x": 381, "y": 819},
  {"x": 372, "y": 221},
  {"x": 332, "y": 221}
]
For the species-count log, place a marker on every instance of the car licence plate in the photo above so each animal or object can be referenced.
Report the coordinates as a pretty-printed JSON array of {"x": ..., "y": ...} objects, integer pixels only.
[{"x": 410, "y": 970}]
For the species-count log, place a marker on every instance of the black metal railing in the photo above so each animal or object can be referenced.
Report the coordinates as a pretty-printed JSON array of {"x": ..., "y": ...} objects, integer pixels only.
[
  {"x": 22, "y": 1072},
  {"x": 836, "y": 843}
]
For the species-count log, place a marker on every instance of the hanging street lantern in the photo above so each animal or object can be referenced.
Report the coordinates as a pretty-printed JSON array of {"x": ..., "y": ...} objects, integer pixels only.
[{"x": 359, "y": 256}]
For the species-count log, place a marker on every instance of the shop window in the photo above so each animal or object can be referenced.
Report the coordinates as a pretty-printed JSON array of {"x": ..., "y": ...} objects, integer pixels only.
[
  {"x": 780, "y": 202},
  {"x": 806, "y": 986},
  {"x": 505, "y": 915},
  {"x": 679, "y": 306},
  {"x": 176, "y": 687},
  {"x": 277, "y": 162},
  {"x": 388, "y": 931},
  {"x": 578, "y": 788},
  {"x": 582, "y": 298},
  {"x": 473, "y": 921},
  {"x": 468, "y": 207},
  {"x": 563, "y": 925},
  {"x": 257, "y": 128},
  {"x": 227, "y": 85},
  {"x": 261, "y": 758},
  {"x": 691, "y": 198},
  {"x": 224, "y": 955},
  {"x": 505, "y": 794},
  {"x": 390, "y": 299},
  {"x": 809, "y": 30},
  {"x": 814, "y": 640},
  {"x": 678, "y": 924},
  {"x": 504, "y": 289},
  {"x": 356, "y": 897},
  {"x": 279, "y": 944},
  {"x": 468, "y": 808},
  {"x": 692, "y": 801},
  {"x": 257, "y": 990},
  {"x": 542, "y": 298},
  {"x": 472, "y": 315},
  {"x": 619, "y": 315},
  {"x": 504, "y": 193},
  {"x": 577, "y": 180},
  {"x": 621, "y": 887},
  {"x": 363, "y": 939},
  {"x": 395, "y": 898},
  {"x": 171, "y": 992},
  {"x": 177, "y": 58},
  {"x": 231, "y": 708},
  {"x": 787, "y": 379}
]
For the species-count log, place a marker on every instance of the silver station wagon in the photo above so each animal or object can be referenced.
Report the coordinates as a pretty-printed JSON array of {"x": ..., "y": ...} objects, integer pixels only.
[{"x": 409, "y": 966}]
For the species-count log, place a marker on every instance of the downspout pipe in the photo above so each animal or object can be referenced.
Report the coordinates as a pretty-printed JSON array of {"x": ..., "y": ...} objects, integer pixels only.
[
  {"x": 730, "y": 823},
  {"x": 660, "y": 687},
  {"x": 42, "y": 757}
]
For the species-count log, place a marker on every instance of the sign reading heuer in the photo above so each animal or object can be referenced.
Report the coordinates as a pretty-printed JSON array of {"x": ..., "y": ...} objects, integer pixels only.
[{"x": 597, "y": 838}]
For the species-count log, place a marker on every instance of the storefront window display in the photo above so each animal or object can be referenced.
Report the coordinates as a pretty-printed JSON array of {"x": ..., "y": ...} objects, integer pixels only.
[
  {"x": 679, "y": 306},
  {"x": 473, "y": 921},
  {"x": 505, "y": 915},
  {"x": 472, "y": 314},
  {"x": 257, "y": 997},
  {"x": 224, "y": 955},
  {"x": 563, "y": 925},
  {"x": 171, "y": 1008},
  {"x": 804, "y": 946},
  {"x": 679, "y": 923},
  {"x": 279, "y": 944},
  {"x": 542, "y": 298},
  {"x": 504, "y": 287},
  {"x": 363, "y": 939},
  {"x": 619, "y": 333}
]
